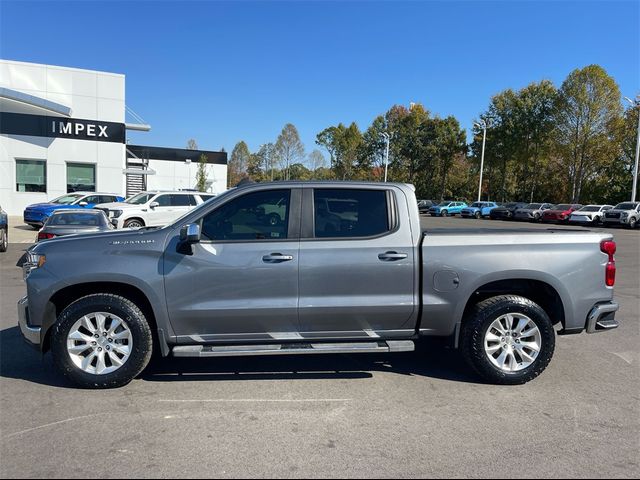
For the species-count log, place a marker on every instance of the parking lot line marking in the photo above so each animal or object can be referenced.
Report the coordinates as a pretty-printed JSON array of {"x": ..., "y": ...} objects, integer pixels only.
[
  {"x": 259, "y": 400},
  {"x": 29, "y": 430}
]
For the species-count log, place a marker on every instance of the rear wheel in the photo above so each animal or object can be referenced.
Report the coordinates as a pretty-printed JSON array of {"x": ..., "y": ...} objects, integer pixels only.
[
  {"x": 101, "y": 341},
  {"x": 508, "y": 340},
  {"x": 4, "y": 240}
]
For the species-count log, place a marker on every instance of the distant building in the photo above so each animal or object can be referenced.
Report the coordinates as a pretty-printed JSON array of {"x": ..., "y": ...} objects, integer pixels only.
[{"x": 64, "y": 129}]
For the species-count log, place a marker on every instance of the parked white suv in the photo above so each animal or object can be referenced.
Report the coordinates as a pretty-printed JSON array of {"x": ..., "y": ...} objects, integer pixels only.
[
  {"x": 152, "y": 208},
  {"x": 625, "y": 213}
]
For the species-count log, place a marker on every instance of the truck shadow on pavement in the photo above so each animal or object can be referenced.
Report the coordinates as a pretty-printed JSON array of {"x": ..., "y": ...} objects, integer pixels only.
[{"x": 431, "y": 359}]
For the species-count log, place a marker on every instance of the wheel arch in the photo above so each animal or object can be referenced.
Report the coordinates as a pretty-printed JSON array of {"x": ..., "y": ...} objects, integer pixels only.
[
  {"x": 537, "y": 290},
  {"x": 69, "y": 294}
]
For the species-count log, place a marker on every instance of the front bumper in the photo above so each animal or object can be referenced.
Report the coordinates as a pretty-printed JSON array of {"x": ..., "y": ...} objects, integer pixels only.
[
  {"x": 29, "y": 333},
  {"x": 602, "y": 318}
]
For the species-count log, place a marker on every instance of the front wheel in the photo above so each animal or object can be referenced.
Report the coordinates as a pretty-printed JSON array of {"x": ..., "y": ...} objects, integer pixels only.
[
  {"x": 101, "y": 341},
  {"x": 633, "y": 222},
  {"x": 478, "y": 215},
  {"x": 508, "y": 340},
  {"x": 444, "y": 213},
  {"x": 134, "y": 223}
]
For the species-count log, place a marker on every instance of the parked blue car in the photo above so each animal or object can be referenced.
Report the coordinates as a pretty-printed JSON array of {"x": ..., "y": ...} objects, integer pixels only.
[
  {"x": 478, "y": 209},
  {"x": 35, "y": 215},
  {"x": 444, "y": 209}
]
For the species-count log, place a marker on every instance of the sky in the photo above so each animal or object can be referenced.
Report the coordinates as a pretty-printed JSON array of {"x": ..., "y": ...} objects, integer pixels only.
[{"x": 221, "y": 72}]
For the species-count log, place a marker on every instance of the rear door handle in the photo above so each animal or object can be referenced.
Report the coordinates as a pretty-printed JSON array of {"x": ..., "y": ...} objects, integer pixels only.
[
  {"x": 277, "y": 258},
  {"x": 392, "y": 256}
]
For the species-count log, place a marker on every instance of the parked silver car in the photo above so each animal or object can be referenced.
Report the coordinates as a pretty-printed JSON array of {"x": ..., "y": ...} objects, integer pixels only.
[
  {"x": 71, "y": 222},
  {"x": 532, "y": 212},
  {"x": 625, "y": 213}
]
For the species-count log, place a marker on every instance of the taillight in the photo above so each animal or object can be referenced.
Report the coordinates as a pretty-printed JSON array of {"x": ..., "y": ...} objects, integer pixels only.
[
  {"x": 609, "y": 247},
  {"x": 45, "y": 236}
]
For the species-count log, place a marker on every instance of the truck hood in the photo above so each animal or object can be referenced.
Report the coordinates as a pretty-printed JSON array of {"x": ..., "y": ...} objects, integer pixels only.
[{"x": 94, "y": 242}]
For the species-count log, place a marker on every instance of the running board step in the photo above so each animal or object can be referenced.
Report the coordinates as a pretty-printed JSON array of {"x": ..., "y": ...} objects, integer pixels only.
[{"x": 200, "y": 351}]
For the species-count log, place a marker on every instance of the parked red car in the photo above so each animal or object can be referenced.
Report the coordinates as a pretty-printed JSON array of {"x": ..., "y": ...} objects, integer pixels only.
[{"x": 560, "y": 213}]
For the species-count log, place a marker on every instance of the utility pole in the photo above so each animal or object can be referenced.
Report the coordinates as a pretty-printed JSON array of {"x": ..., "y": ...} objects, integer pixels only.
[
  {"x": 387, "y": 139},
  {"x": 483, "y": 125},
  {"x": 635, "y": 103}
]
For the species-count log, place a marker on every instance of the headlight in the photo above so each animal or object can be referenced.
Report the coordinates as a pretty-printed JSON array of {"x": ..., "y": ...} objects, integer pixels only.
[
  {"x": 32, "y": 262},
  {"x": 115, "y": 213},
  {"x": 624, "y": 215}
]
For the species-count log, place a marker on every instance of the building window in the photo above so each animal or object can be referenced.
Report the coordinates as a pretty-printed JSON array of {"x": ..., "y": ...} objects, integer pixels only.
[
  {"x": 81, "y": 177},
  {"x": 31, "y": 176}
]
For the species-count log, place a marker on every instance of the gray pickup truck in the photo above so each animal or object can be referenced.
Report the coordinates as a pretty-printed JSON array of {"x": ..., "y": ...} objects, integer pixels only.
[{"x": 362, "y": 276}]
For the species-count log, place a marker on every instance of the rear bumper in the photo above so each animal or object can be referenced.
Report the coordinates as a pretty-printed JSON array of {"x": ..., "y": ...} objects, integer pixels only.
[
  {"x": 30, "y": 334},
  {"x": 602, "y": 318}
]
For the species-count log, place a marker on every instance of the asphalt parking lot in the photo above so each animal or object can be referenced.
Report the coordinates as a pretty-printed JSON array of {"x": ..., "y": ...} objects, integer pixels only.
[{"x": 404, "y": 415}]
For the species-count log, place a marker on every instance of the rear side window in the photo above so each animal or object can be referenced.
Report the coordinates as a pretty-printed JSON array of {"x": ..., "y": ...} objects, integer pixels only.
[
  {"x": 347, "y": 213},
  {"x": 173, "y": 200},
  {"x": 254, "y": 216}
]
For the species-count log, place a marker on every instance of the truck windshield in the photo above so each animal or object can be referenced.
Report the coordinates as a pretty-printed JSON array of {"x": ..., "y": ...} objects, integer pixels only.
[
  {"x": 626, "y": 206},
  {"x": 140, "y": 198},
  {"x": 66, "y": 199}
]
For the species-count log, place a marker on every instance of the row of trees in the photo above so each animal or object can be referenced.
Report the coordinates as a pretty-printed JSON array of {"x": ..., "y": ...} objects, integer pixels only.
[{"x": 573, "y": 143}]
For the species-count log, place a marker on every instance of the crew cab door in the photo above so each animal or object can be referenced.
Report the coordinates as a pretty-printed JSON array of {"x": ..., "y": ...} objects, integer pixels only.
[
  {"x": 241, "y": 281},
  {"x": 357, "y": 265}
]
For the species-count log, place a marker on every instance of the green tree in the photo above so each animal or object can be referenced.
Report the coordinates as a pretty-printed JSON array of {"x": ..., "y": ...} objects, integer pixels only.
[
  {"x": 587, "y": 110},
  {"x": 202, "y": 175}
]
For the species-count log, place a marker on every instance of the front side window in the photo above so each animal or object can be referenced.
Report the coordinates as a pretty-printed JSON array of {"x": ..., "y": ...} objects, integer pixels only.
[
  {"x": 348, "y": 213},
  {"x": 81, "y": 177},
  {"x": 254, "y": 216},
  {"x": 31, "y": 176}
]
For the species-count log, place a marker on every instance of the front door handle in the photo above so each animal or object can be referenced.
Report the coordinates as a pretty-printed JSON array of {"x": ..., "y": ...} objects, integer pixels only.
[
  {"x": 277, "y": 258},
  {"x": 392, "y": 256}
]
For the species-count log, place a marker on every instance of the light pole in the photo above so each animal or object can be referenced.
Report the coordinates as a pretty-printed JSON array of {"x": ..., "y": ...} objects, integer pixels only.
[
  {"x": 635, "y": 103},
  {"x": 387, "y": 139},
  {"x": 483, "y": 125},
  {"x": 188, "y": 162}
]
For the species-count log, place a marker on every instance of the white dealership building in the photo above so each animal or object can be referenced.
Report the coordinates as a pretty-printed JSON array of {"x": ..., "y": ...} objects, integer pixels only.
[{"x": 65, "y": 129}]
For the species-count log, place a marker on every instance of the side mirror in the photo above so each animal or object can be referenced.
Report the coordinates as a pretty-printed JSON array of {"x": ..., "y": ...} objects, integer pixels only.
[
  {"x": 154, "y": 205},
  {"x": 83, "y": 204},
  {"x": 190, "y": 233}
]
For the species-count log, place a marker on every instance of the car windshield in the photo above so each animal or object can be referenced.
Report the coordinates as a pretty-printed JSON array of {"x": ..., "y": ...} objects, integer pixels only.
[
  {"x": 625, "y": 206},
  {"x": 66, "y": 199},
  {"x": 477, "y": 204},
  {"x": 533, "y": 206},
  {"x": 590, "y": 209},
  {"x": 140, "y": 198},
  {"x": 511, "y": 205},
  {"x": 562, "y": 206},
  {"x": 443, "y": 204},
  {"x": 77, "y": 219}
]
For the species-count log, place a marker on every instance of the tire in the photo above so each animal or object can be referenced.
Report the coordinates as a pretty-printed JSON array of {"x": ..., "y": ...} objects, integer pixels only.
[
  {"x": 474, "y": 342},
  {"x": 633, "y": 223},
  {"x": 273, "y": 219},
  {"x": 4, "y": 240},
  {"x": 133, "y": 223},
  {"x": 478, "y": 215},
  {"x": 596, "y": 220},
  {"x": 444, "y": 213},
  {"x": 138, "y": 331},
  {"x": 536, "y": 218}
]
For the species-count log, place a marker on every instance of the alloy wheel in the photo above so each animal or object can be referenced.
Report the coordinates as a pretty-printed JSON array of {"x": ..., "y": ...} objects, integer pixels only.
[
  {"x": 512, "y": 342},
  {"x": 99, "y": 343}
]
